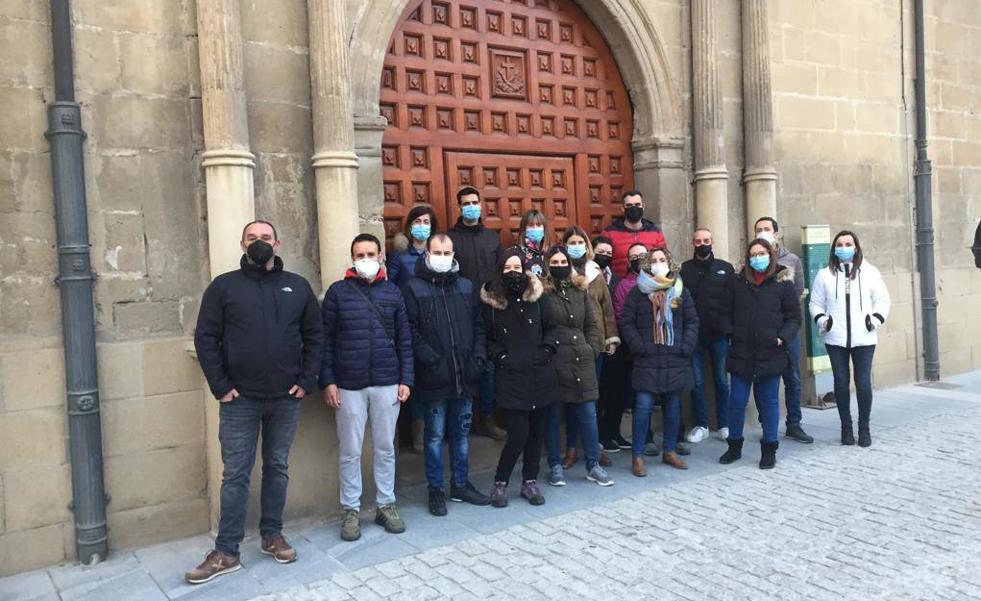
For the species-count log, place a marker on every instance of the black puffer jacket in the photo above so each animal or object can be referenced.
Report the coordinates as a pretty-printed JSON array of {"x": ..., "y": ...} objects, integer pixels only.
[
  {"x": 477, "y": 250},
  {"x": 447, "y": 333},
  {"x": 659, "y": 368},
  {"x": 710, "y": 284},
  {"x": 524, "y": 377},
  {"x": 757, "y": 317},
  {"x": 574, "y": 331}
]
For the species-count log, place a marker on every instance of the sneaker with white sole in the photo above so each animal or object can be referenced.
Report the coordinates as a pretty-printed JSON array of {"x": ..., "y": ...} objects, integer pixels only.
[
  {"x": 599, "y": 476},
  {"x": 721, "y": 433},
  {"x": 697, "y": 434},
  {"x": 556, "y": 475}
]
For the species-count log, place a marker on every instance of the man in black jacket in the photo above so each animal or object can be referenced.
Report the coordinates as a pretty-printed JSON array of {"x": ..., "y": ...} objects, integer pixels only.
[
  {"x": 259, "y": 340},
  {"x": 477, "y": 250},
  {"x": 448, "y": 346},
  {"x": 709, "y": 281}
]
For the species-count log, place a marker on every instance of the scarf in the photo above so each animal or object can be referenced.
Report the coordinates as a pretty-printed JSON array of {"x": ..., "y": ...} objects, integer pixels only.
[{"x": 663, "y": 292}]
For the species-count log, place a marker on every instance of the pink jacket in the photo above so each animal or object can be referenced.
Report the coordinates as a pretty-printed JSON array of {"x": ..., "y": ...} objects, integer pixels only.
[{"x": 624, "y": 287}]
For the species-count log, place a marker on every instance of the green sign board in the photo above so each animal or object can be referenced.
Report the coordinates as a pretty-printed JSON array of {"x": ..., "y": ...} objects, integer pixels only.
[{"x": 815, "y": 250}]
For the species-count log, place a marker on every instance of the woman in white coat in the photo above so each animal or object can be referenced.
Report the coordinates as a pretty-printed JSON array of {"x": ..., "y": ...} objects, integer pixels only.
[{"x": 849, "y": 303}]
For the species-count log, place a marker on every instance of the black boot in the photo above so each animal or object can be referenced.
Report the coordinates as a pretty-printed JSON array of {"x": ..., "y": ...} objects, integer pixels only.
[
  {"x": 847, "y": 436},
  {"x": 768, "y": 454},
  {"x": 734, "y": 453},
  {"x": 864, "y": 436}
]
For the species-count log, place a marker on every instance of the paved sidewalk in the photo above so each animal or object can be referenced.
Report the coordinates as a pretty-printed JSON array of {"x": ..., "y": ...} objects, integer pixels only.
[{"x": 901, "y": 520}]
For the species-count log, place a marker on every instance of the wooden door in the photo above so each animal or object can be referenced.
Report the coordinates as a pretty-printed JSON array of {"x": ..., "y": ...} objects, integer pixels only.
[{"x": 523, "y": 91}]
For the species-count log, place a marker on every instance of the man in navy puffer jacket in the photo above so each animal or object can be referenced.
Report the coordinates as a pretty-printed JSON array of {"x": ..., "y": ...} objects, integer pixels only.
[{"x": 367, "y": 370}]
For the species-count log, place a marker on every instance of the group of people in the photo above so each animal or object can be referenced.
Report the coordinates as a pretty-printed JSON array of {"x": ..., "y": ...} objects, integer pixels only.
[{"x": 580, "y": 331}]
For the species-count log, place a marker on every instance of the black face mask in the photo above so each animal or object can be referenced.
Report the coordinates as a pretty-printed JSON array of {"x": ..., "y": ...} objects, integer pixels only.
[
  {"x": 703, "y": 251},
  {"x": 635, "y": 265},
  {"x": 602, "y": 260},
  {"x": 259, "y": 252},
  {"x": 560, "y": 273},
  {"x": 514, "y": 282},
  {"x": 633, "y": 214}
]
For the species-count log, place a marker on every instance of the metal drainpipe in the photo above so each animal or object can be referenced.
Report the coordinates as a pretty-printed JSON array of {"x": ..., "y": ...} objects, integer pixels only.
[
  {"x": 924, "y": 209},
  {"x": 75, "y": 278}
]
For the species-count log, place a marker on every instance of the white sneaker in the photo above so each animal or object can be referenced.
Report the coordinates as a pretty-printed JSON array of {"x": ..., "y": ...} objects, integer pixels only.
[
  {"x": 697, "y": 434},
  {"x": 721, "y": 433}
]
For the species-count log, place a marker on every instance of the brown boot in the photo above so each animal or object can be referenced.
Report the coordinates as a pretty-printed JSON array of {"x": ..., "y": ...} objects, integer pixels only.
[
  {"x": 638, "y": 468},
  {"x": 672, "y": 459},
  {"x": 570, "y": 459},
  {"x": 419, "y": 436},
  {"x": 215, "y": 564},
  {"x": 605, "y": 460},
  {"x": 277, "y": 546}
]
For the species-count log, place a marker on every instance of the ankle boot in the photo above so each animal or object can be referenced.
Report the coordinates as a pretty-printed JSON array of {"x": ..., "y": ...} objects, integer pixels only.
[
  {"x": 768, "y": 454},
  {"x": 604, "y": 459},
  {"x": 847, "y": 435},
  {"x": 637, "y": 467},
  {"x": 734, "y": 453},
  {"x": 570, "y": 458},
  {"x": 864, "y": 436}
]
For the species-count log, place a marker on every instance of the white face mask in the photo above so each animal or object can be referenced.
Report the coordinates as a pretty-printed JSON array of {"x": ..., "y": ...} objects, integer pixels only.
[
  {"x": 441, "y": 263},
  {"x": 660, "y": 269},
  {"x": 768, "y": 236},
  {"x": 367, "y": 268}
]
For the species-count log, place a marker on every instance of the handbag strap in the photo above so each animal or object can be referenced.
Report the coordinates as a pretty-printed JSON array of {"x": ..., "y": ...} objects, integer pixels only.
[{"x": 375, "y": 311}]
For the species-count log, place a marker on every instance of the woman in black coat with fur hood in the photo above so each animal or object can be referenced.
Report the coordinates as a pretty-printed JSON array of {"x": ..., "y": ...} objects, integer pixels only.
[
  {"x": 574, "y": 331},
  {"x": 524, "y": 377},
  {"x": 763, "y": 315}
]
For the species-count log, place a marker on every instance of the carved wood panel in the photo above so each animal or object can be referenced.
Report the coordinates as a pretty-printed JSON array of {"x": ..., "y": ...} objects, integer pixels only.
[{"x": 516, "y": 87}]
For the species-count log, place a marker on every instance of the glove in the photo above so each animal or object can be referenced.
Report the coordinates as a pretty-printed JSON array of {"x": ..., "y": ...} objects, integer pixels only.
[
  {"x": 874, "y": 322},
  {"x": 824, "y": 323}
]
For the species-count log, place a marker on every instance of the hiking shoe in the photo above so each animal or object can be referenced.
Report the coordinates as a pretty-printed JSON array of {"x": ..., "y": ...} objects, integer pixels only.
[
  {"x": 215, "y": 564},
  {"x": 499, "y": 494},
  {"x": 651, "y": 449},
  {"x": 388, "y": 518},
  {"x": 556, "y": 476},
  {"x": 797, "y": 433},
  {"x": 697, "y": 434},
  {"x": 622, "y": 442},
  {"x": 610, "y": 446},
  {"x": 530, "y": 491},
  {"x": 468, "y": 493},
  {"x": 599, "y": 476},
  {"x": 278, "y": 548},
  {"x": 437, "y": 502},
  {"x": 351, "y": 525}
]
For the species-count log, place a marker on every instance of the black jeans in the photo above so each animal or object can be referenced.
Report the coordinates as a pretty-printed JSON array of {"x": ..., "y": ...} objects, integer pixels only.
[
  {"x": 861, "y": 359},
  {"x": 238, "y": 428},
  {"x": 615, "y": 393},
  {"x": 526, "y": 431}
]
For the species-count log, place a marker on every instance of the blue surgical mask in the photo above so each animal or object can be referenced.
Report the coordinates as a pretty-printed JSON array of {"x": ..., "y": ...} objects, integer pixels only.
[
  {"x": 845, "y": 253},
  {"x": 471, "y": 212},
  {"x": 421, "y": 232},
  {"x": 576, "y": 251},
  {"x": 535, "y": 234},
  {"x": 760, "y": 263}
]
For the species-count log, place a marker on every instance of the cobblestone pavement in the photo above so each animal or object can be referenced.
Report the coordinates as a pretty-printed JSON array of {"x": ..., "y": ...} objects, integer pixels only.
[{"x": 900, "y": 520}]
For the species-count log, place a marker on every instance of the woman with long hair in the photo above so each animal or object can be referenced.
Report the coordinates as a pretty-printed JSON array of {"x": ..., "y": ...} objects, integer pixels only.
[
  {"x": 573, "y": 331},
  {"x": 524, "y": 377},
  {"x": 849, "y": 303},
  {"x": 660, "y": 326},
  {"x": 532, "y": 240},
  {"x": 763, "y": 315}
]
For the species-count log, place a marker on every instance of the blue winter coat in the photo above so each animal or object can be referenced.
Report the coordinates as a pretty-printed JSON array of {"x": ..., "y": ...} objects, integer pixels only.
[
  {"x": 659, "y": 368},
  {"x": 401, "y": 264},
  {"x": 359, "y": 350}
]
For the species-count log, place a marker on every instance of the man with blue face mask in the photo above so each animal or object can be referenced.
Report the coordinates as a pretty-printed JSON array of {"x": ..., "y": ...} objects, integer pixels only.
[{"x": 477, "y": 249}]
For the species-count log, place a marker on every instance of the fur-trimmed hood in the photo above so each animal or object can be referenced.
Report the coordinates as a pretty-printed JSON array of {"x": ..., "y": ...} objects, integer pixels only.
[
  {"x": 400, "y": 242},
  {"x": 531, "y": 294}
]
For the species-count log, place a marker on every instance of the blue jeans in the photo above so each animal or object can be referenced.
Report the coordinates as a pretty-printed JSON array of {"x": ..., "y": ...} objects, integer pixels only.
[
  {"x": 861, "y": 358},
  {"x": 717, "y": 350},
  {"x": 239, "y": 424},
  {"x": 641, "y": 421},
  {"x": 450, "y": 418},
  {"x": 486, "y": 390},
  {"x": 585, "y": 419},
  {"x": 791, "y": 383},
  {"x": 571, "y": 422},
  {"x": 766, "y": 392}
]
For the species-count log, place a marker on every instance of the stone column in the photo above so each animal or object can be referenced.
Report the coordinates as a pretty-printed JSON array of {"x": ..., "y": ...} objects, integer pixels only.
[
  {"x": 335, "y": 164},
  {"x": 760, "y": 176},
  {"x": 228, "y": 169},
  {"x": 711, "y": 175},
  {"x": 228, "y": 164}
]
